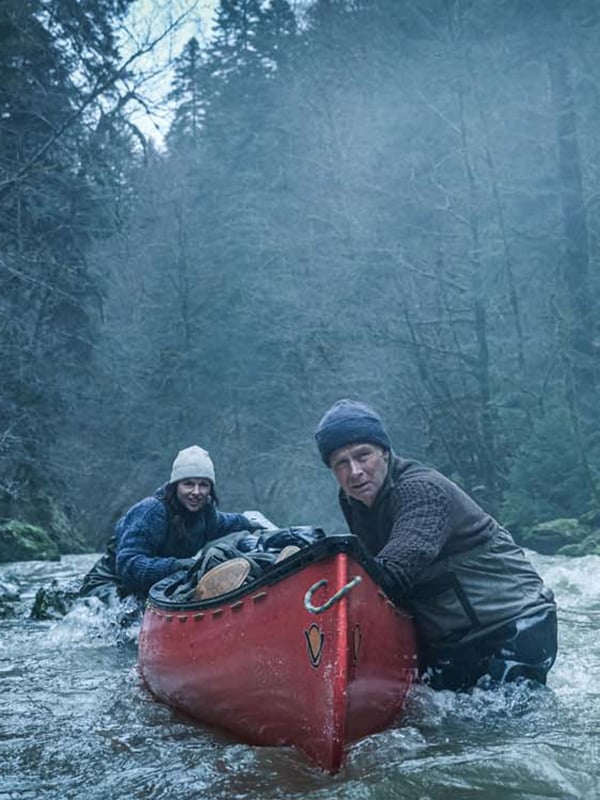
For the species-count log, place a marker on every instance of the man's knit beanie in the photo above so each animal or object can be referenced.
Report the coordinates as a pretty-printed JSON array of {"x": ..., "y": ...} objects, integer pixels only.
[
  {"x": 193, "y": 462},
  {"x": 350, "y": 422}
]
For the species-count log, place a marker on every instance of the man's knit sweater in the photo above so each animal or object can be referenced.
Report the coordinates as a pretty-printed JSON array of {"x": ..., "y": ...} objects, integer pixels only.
[
  {"x": 446, "y": 559},
  {"x": 418, "y": 516}
]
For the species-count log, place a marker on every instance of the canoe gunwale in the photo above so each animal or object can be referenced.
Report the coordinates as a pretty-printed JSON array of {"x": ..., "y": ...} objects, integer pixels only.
[
  {"x": 163, "y": 595},
  {"x": 350, "y": 667}
]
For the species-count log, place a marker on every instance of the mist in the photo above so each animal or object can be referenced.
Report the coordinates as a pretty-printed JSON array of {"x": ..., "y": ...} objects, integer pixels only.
[{"x": 394, "y": 202}]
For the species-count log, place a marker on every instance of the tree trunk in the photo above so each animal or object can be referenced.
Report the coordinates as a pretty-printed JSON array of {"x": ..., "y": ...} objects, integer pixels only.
[{"x": 575, "y": 270}]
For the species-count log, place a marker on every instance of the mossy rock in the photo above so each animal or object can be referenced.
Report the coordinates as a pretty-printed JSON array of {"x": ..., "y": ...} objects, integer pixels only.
[
  {"x": 550, "y": 537},
  {"x": 43, "y": 511},
  {"x": 22, "y": 542},
  {"x": 53, "y": 601},
  {"x": 591, "y": 518},
  {"x": 589, "y": 547},
  {"x": 46, "y": 513}
]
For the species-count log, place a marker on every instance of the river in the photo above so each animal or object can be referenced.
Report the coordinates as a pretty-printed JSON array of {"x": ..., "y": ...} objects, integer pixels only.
[{"x": 75, "y": 721}]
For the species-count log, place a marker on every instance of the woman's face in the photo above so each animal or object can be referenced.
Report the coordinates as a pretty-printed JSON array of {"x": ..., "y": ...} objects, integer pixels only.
[{"x": 193, "y": 493}]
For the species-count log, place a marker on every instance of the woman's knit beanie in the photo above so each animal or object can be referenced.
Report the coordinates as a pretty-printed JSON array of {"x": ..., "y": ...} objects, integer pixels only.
[
  {"x": 350, "y": 422},
  {"x": 193, "y": 462}
]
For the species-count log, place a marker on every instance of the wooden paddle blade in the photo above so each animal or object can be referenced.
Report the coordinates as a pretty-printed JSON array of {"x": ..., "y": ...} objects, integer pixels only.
[{"x": 224, "y": 578}]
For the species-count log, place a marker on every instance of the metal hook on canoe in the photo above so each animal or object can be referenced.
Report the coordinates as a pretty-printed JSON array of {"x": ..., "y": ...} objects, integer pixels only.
[{"x": 332, "y": 600}]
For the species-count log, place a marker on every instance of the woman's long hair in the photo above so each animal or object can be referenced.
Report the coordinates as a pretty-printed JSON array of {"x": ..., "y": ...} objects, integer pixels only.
[{"x": 179, "y": 517}]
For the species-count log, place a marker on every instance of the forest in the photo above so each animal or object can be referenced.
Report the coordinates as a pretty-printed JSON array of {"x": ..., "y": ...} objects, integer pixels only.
[{"x": 397, "y": 202}]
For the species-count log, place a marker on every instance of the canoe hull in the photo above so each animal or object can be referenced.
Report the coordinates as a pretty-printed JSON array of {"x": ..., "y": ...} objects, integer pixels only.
[{"x": 269, "y": 671}]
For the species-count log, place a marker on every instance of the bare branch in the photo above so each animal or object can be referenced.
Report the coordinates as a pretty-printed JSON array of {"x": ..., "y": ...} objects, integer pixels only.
[{"x": 101, "y": 87}]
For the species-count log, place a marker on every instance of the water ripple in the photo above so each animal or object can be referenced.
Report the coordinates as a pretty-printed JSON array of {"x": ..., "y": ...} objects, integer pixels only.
[{"x": 78, "y": 723}]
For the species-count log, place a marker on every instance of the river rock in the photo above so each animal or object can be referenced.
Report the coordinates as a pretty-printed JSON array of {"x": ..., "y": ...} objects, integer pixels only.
[
  {"x": 589, "y": 547},
  {"x": 565, "y": 536},
  {"x": 54, "y": 601},
  {"x": 591, "y": 518},
  {"x": 47, "y": 514},
  {"x": 22, "y": 542}
]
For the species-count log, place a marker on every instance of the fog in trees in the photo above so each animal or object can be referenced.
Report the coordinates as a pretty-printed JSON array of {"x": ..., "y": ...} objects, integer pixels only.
[{"x": 367, "y": 198}]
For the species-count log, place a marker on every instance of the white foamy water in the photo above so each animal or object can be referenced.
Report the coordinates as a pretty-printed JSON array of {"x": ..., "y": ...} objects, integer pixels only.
[{"x": 77, "y": 723}]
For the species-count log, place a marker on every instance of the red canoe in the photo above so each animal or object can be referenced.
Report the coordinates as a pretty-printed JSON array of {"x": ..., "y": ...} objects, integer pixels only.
[{"x": 261, "y": 664}]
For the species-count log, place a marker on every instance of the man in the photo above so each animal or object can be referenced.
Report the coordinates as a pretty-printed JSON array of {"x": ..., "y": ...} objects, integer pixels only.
[{"x": 479, "y": 606}]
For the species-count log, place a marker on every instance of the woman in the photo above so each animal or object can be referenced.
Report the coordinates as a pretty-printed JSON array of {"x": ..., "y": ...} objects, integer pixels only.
[{"x": 160, "y": 535}]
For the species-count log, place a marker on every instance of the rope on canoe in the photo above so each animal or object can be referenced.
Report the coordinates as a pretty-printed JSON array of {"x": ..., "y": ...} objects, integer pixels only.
[{"x": 332, "y": 600}]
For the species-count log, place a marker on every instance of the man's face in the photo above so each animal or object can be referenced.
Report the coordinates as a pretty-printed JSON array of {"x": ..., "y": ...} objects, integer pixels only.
[
  {"x": 193, "y": 493},
  {"x": 360, "y": 470}
]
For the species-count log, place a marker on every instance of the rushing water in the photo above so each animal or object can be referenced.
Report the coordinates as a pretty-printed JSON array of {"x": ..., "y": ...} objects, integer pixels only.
[{"x": 75, "y": 721}]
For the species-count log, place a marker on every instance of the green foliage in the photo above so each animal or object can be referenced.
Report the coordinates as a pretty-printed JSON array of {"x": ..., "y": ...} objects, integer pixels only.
[
  {"x": 381, "y": 200},
  {"x": 55, "y": 57},
  {"x": 371, "y": 207},
  {"x": 547, "y": 479},
  {"x": 188, "y": 93}
]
